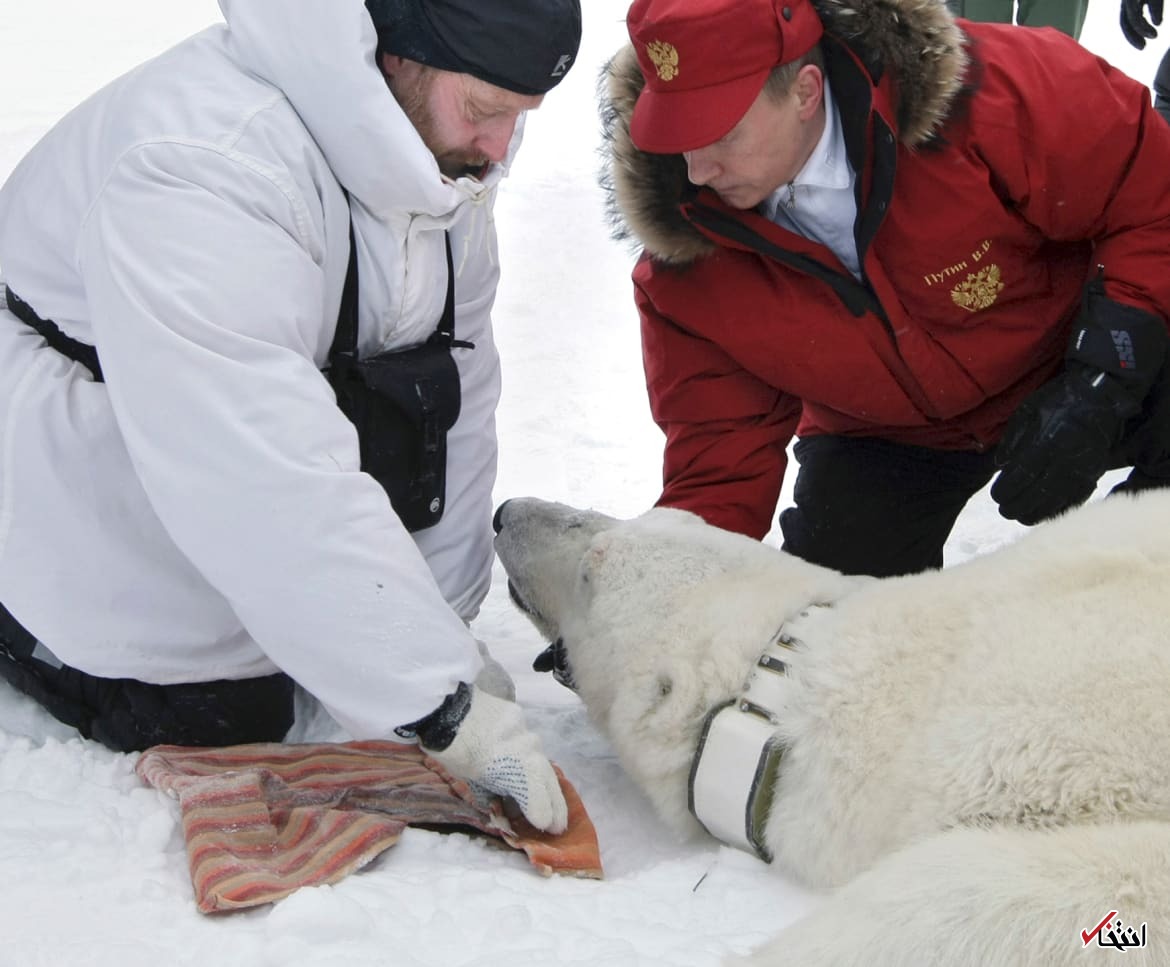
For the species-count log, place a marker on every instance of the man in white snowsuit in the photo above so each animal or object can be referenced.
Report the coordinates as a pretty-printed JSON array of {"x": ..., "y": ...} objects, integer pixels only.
[{"x": 186, "y": 524}]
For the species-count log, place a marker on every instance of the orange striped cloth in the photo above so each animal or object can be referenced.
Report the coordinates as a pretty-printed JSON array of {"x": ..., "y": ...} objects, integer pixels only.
[{"x": 263, "y": 820}]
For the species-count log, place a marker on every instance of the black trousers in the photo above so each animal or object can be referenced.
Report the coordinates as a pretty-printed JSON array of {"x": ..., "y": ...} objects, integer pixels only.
[
  {"x": 1162, "y": 87},
  {"x": 128, "y": 715},
  {"x": 869, "y": 506}
]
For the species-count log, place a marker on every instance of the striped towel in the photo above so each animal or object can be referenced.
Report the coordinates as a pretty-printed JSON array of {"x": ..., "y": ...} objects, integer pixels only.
[{"x": 263, "y": 820}]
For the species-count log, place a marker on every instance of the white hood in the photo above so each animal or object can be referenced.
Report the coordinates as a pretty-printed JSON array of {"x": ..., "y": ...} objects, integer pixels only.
[{"x": 336, "y": 39}]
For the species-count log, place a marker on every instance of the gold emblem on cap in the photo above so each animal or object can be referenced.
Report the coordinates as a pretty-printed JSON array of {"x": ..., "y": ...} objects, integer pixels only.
[
  {"x": 980, "y": 290},
  {"x": 665, "y": 59}
]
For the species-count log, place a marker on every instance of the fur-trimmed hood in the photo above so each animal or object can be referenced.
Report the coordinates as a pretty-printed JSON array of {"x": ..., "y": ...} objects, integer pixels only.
[{"x": 918, "y": 41}]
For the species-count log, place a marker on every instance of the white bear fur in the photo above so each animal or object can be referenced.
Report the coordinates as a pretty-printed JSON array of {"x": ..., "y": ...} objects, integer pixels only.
[{"x": 978, "y": 758}]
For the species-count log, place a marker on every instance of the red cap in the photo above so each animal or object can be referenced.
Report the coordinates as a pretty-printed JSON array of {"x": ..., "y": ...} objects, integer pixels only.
[{"x": 706, "y": 61}]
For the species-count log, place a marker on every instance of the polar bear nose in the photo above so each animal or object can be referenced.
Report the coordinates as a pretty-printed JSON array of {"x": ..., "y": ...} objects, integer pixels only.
[{"x": 497, "y": 517}]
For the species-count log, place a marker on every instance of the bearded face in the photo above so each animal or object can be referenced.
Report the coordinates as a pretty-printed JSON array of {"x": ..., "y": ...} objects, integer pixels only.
[{"x": 466, "y": 123}]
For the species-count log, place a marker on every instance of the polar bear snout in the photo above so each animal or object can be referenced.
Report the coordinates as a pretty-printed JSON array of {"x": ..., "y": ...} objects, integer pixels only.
[
  {"x": 541, "y": 545},
  {"x": 497, "y": 517}
]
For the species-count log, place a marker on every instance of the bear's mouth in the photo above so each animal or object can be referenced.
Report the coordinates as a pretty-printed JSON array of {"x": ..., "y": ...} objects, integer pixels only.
[
  {"x": 554, "y": 658},
  {"x": 521, "y": 603}
]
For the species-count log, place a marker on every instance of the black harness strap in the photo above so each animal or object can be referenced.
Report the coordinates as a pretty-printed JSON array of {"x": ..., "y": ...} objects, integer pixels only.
[
  {"x": 67, "y": 346},
  {"x": 343, "y": 352}
]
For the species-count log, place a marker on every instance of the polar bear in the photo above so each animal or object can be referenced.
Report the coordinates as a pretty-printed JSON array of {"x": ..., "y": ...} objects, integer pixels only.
[{"x": 974, "y": 763}]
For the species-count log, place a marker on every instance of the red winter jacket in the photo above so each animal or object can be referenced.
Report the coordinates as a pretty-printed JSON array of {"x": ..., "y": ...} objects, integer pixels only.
[{"x": 1008, "y": 166}]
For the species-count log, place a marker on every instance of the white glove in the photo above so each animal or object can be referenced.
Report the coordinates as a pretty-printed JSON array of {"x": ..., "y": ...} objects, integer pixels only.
[
  {"x": 494, "y": 749},
  {"x": 494, "y": 679}
]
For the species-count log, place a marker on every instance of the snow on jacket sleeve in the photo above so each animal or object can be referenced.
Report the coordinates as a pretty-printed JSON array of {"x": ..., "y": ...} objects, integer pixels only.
[
  {"x": 726, "y": 430},
  {"x": 207, "y": 302},
  {"x": 1081, "y": 154}
]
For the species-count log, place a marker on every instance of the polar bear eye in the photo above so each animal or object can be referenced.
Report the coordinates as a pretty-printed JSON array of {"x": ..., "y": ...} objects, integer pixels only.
[{"x": 665, "y": 686}]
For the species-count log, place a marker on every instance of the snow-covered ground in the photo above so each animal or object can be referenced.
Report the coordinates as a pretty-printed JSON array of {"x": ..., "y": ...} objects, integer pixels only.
[{"x": 93, "y": 866}]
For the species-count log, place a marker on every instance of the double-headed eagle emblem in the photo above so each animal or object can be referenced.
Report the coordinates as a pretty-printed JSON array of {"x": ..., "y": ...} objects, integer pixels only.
[
  {"x": 664, "y": 56},
  {"x": 979, "y": 290}
]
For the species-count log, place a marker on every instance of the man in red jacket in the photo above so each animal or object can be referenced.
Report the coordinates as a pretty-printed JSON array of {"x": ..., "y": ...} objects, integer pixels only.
[{"x": 929, "y": 250}]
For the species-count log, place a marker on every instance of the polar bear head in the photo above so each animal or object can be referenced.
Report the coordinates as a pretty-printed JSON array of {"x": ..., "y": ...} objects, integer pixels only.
[{"x": 660, "y": 617}]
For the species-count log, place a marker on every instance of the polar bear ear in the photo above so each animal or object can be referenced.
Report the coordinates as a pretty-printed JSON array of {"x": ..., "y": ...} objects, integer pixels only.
[{"x": 593, "y": 558}]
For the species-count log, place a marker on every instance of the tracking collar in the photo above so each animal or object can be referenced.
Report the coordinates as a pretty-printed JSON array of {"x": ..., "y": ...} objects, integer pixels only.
[{"x": 734, "y": 770}]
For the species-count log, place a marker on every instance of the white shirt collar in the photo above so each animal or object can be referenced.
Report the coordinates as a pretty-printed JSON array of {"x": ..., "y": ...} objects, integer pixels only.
[
  {"x": 819, "y": 202},
  {"x": 826, "y": 167}
]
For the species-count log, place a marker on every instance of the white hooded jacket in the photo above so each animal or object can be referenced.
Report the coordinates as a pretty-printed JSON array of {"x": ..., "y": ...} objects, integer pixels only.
[{"x": 201, "y": 514}]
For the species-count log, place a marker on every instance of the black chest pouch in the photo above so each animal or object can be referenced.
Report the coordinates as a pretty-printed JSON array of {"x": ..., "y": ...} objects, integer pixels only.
[{"x": 402, "y": 403}]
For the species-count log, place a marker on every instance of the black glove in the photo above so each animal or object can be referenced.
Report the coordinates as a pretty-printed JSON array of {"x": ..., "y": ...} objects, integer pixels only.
[
  {"x": 1065, "y": 435},
  {"x": 1137, "y": 27},
  {"x": 1058, "y": 444},
  {"x": 1162, "y": 87}
]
